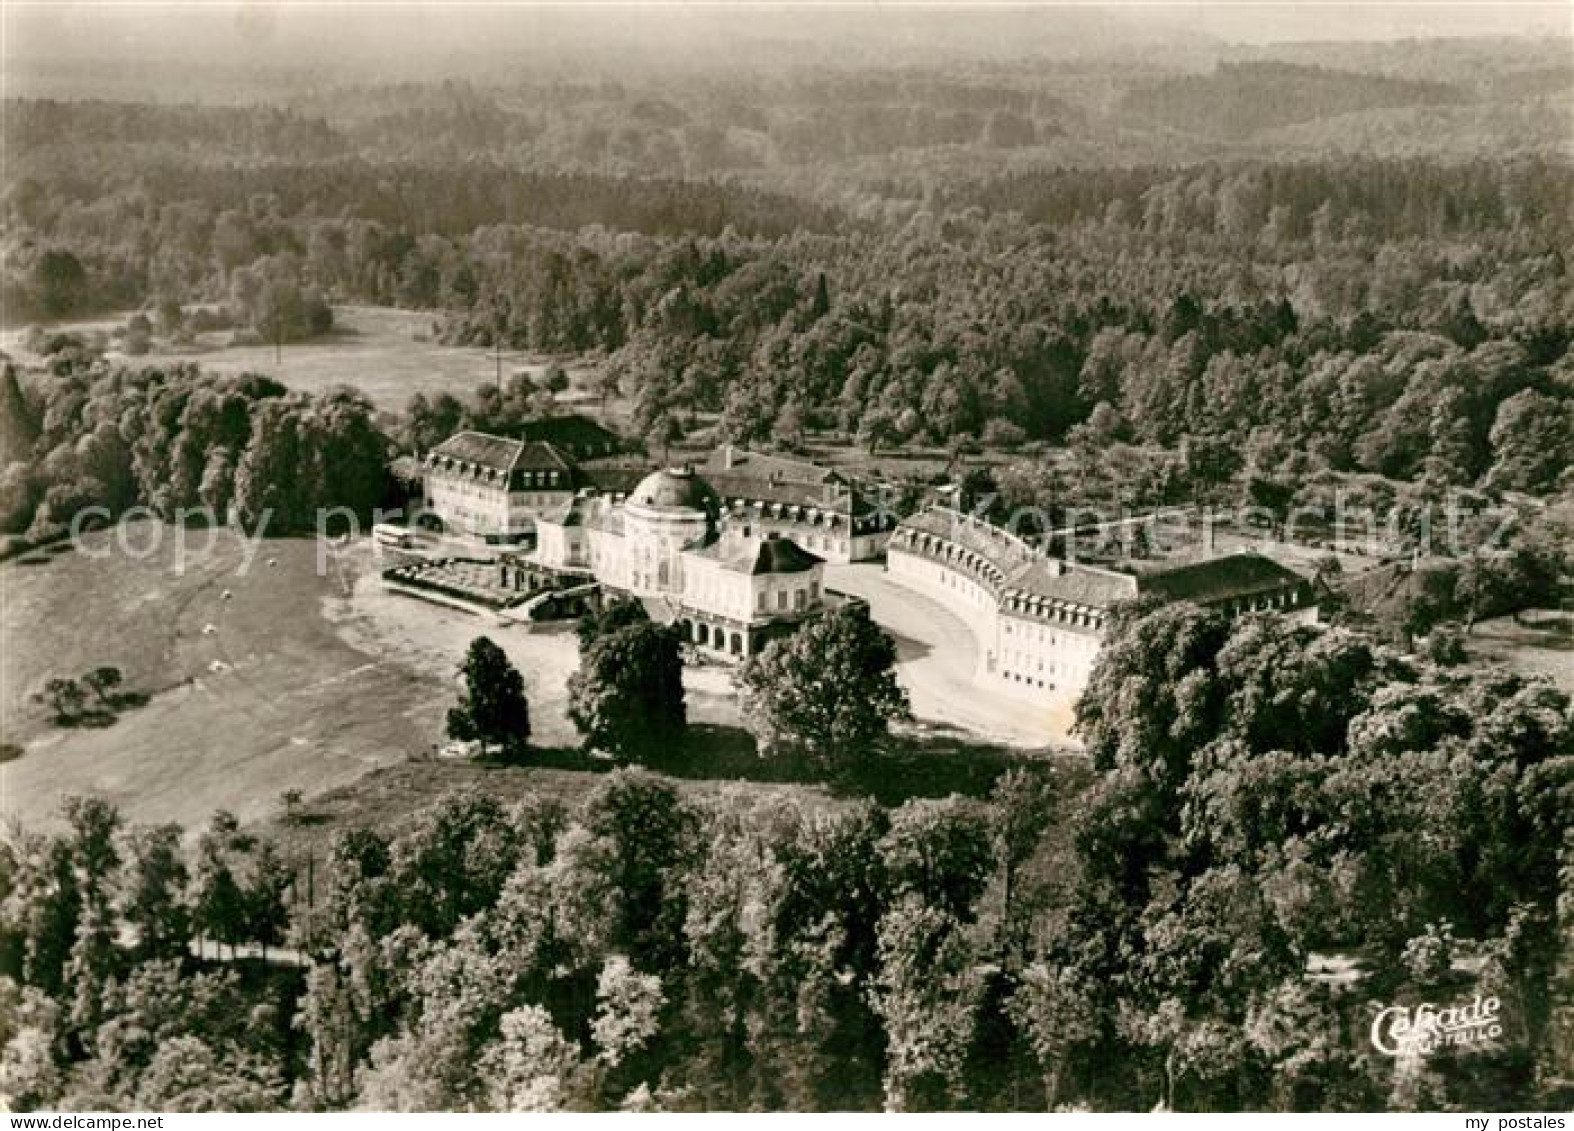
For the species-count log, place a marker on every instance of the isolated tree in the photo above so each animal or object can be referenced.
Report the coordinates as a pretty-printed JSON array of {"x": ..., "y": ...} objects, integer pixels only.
[
  {"x": 649, "y": 835},
  {"x": 95, "y": 960},
  {"x": 1056, "y": 1011},
  {"x": 878, "y": 429},
  {"x": 1211, "y": 461},
  {"x": 941, "y": 852},
  {"x": 531, "y": 1066},
  {"x": 492, "y": 709},
  {"x": 627, "y": 696},
  {"x": 1532, "y": 441},
  {"x": 60, "y": 282},
  {"x": 665, "y": 431},
  {"x": 791, "y": 423},
  {"x": 1274, "y": 496},
  {"x": 1003, "y": 435},
  {"x": 1023, "y": 805},
  {"x": 555, "y": 380},
  {"x": 628, "y": 1010},
  {"x": 828, "y": 691},
  {"x": 187, "y": 1074},
  {"x": 927, "y": 993}
]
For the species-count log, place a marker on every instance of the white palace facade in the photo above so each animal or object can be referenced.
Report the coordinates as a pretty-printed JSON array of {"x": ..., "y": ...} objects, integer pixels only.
[
  {"x": 1041, "y": 620},
  {"x": 496, "y": 489},
  {"x": 732, "y": 586}
]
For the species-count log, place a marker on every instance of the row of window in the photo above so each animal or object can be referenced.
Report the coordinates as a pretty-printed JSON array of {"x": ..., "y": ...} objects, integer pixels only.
[
  {"x": 800, "y": 599},
  {"x": 491, "y": 478},
  {"x": 1031, "y": 632},
  {"x": 1027, "y": 661}
]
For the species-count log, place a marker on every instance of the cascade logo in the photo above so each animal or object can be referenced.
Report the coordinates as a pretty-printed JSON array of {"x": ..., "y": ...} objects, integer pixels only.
[{"x": 1401, "y": 1030}]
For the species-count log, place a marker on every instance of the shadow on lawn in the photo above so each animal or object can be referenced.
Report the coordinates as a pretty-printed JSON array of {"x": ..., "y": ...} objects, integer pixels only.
[{"x": 913, "y": 766}]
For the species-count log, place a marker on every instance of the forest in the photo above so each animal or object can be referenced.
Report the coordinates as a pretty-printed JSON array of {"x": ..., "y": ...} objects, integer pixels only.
[
  {"x": 1152, "y": 928},
  {"x": 1217, "y": 302}
]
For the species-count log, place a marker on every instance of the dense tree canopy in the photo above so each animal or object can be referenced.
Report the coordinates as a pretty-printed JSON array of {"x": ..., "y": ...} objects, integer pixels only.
[{"x": 827, "y": 692}]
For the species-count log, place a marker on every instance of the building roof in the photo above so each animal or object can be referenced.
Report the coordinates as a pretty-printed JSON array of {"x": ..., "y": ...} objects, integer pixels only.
[
  {"x": 1001, "y": 548},
  {"x": 406, "y": 468},
  {"x": 1224, "y": 578},
  {"x": 610, "y": 478},
  {"x": 782, "y": 555},
  {"x": 675, "y": 488},
  {"x": 738, "y": 473},
  {"x": 573, "y": 431},
  {"x": 499, "y": 453},
  {"x": 480, "y": 448},
  {"x": 767, "y": 555},
  {"x": 577, "y": 511},
  {"x": 537, "y": 455},
  {"x": 740, "y": 462},
  {"x": 1094, "y": 588},
  {"x": 1028, "y": 574}
]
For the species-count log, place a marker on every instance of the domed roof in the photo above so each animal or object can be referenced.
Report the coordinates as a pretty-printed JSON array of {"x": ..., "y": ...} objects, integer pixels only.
[{"x": 675, "y": 488}]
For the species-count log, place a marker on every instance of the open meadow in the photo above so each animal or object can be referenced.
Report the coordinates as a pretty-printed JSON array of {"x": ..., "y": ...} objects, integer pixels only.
[
  {"x": 263, "y": 672},
  {"x": 390, "y": 355},
  {"x": 251, "y": 689}
]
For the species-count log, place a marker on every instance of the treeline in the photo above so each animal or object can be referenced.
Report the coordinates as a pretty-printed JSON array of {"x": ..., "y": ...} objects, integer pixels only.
[
  {"x": 1409, "y": 318},
  {"x": 370, "y": 231},
  {"x": 33, "y": 125},
  {"x": 1338, "y": 205},
  {"x": 1238, "y": 99},
  {"x": 1157, "y": 935},
  {"x": 178, "y": 439}
]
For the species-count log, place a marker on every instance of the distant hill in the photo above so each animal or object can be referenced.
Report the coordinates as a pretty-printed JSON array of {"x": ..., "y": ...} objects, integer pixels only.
[{"x": 1239, "y": 99}]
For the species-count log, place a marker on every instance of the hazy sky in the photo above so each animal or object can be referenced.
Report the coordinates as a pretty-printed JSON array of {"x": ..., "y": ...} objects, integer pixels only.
[{"x": 280, "y": 32}]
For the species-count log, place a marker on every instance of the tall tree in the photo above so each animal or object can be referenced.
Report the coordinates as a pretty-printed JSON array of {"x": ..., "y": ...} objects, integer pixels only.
[
  {"x": 153, "y": 892},
  {"x": 627, "y": 696},
  {"x": 828, "y": 691},
  {"x": 492, "y": 709}
]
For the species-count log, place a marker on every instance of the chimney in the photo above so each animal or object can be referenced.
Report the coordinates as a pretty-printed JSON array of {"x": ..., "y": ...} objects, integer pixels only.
[{"x": 726, "y": 457}]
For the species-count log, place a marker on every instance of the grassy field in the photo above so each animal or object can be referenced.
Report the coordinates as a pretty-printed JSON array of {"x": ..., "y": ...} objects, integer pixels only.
[
  {"x": 251, "y": 694},
  {"x": 1533, "y": 643},
  {"x": 389, "y": 355},
  {"x": 260, "y": 680}
]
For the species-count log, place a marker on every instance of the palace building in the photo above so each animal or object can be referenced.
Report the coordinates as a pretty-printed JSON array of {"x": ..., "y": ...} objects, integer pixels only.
[
  {"x": 492, "y": 488},
  {"x": 496, "y": 489},
  {"x": 825, "y": 512},
  {"x": 1041, "y": 620},
  {"x": 732, "y": 586}
]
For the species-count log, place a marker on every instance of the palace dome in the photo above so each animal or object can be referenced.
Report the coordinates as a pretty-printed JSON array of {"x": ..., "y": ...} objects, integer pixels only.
[{"x": 676, "y": 488}]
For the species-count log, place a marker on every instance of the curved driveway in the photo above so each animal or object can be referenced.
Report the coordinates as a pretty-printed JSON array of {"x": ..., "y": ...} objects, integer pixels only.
[{"x": 937, "y": 656}]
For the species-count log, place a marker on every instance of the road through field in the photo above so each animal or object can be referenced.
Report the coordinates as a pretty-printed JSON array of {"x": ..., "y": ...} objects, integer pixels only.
[{"x": 937, "y": 656}]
